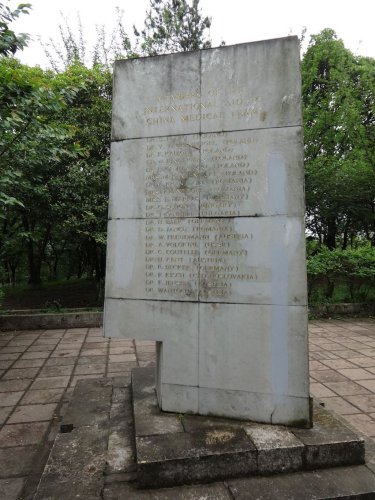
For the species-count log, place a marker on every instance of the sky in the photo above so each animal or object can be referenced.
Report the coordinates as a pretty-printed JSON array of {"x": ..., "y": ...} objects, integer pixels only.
[{"x": 234, "y": 21}]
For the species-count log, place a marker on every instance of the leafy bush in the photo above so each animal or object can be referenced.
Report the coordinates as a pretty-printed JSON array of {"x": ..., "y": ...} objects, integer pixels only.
[{"x": 330, "y": 270}]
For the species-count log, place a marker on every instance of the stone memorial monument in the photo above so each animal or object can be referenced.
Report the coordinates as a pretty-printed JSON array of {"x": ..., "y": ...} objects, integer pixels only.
[
  {"x": 206, "y": 245},
  {"x": 206, "y": 257}
]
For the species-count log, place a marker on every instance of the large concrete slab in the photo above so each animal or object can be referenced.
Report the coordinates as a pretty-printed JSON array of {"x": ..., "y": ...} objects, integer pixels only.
[
  {"x": 238, "y": 87},
  {"x": 208, "y": 260},
  {"x": 249, "y": 172}
]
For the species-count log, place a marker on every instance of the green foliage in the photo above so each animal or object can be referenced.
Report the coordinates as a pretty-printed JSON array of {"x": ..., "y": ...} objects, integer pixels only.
[
  {"x": 28, "y": 99},
  {"x": 10, "y": 42},
  {"x": 36, "y": 147},
  {"x": 173, "y": 26},
  {"x": 339, "y": 115},
  {"x": 83, "y": 197},
  {"x": 54, "y": 148},
  {"x": 352, "y": 268}
]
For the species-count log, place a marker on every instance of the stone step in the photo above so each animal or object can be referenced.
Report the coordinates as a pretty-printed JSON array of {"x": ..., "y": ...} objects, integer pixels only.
[
  {"x": 344, "y": 483},
  {"x": 174, "y": 449}
]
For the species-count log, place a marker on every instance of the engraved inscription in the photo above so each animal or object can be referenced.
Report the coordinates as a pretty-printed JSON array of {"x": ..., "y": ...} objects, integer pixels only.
[
  {"x": 199, "y": 259},
  {"x": 224, "y": 257},
  {"x": 210, "y": 175},
  {"x": 218, "y": 103},
  {"x": 227, "y": 173},
  {"x": 172, "y": 177},
  {"x": 172, "y": 248}
]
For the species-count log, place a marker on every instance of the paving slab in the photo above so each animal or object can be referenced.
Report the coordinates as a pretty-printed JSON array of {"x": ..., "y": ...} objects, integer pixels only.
[
  {"x": 33, "y": 413},
  {"x": 351, "y": 483},
  {"x": 18, "y": 461},
  {"x": 4, "y": 413},
  {"x": 75, "y": 466},
  {"x": 10, "y": 398},
  {"x": 11, "y": 488},
  {"x": 90, "y": 405},
  {"x": 23, "y": 434},
  {"x": 50, "y": 382},
  {"x": 14, "y": 385}
]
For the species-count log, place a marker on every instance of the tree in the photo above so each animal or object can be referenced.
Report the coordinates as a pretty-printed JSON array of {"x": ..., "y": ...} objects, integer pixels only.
[
  {"x": 36, "y": 146},
  {"x": 10, "y": 42},
  {"x": 173, "y": 26},
  {"x": 71, "y": 47},
  {"x": 83, "y": 198},
  {"x": 339, "y": 107},
  {"x": 54, "y": 147}
]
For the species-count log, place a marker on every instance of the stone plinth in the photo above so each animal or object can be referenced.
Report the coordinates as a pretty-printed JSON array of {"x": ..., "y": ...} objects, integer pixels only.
[
  {"x": 115, "y": 441},
  {"x": 173, "y": 449},
  {"x": 206, "y": 245}
]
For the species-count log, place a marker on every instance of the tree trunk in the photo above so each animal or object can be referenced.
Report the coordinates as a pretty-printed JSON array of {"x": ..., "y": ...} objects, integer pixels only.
[
  {"x": 35, "y": 254},
  {"x": 13, "y": 268},
  {"x": 330, "y": 236},
  {"x": 35, "y": 266},
  {"x": 345, "y": 241},
  {"x": 6, "y": 272}
]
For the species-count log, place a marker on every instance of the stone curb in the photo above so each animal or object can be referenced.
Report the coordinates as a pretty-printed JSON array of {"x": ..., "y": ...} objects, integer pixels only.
[
  {"x": 50, "y": 321},
  {"x": 343, "y": 309},
  {"x": 27, "y": 320}
]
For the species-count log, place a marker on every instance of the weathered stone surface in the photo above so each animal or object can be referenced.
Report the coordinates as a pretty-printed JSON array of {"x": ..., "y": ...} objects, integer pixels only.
[
  {"x": 330, "y": 443},
  {"x": 148, "y": 418},
  {"x": 126, "y": 271},
  {"x": 251, "y": 372},
  {"x": 18, "y": 462},
  {"x": 10, "y": 489},
  {"x": 248, "y": 86},
  {"x": 144, "y": 110},
  {"x": 172, "y": 459},
  {"x": 95, "y": 463},
  {"x": 206, "y": 213},
  {"x": 75, "y": 467},
  {"x": 349, "y": 483},
  {"x": 253, "y": 277},
  {"x": 278, "y": 449},
  {"x": 180, "y": 449},
  {"x": 160, "y": 319},
  {"x": 120, "y": 456},
  {"x": 145, "y": 191},
  {"x": 90, "y": 405},
  {"x": 193, "y": 423},
  {"x": 253, "y": 86},
  {"x": 188, "y": 170},
  {"x": 206, "y": 492}
]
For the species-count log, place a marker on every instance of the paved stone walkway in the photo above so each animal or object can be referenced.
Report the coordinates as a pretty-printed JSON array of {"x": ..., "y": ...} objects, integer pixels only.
[{"x": 38, "y": 371}]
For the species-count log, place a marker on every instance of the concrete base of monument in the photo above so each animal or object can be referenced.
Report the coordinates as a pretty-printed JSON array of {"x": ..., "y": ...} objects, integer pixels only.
[
  {"x": 116, "y": 443},
  {"x": 179, "y": 449}
]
